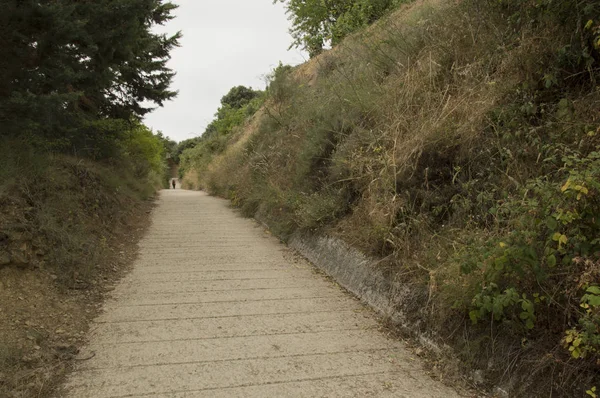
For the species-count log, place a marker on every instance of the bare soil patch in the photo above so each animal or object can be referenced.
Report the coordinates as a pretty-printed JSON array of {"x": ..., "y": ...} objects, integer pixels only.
[{"x": 44, "y": 321}]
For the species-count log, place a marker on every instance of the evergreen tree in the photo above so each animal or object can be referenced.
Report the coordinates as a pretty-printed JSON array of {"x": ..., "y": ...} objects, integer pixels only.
[{"x": 67, "y": 67}]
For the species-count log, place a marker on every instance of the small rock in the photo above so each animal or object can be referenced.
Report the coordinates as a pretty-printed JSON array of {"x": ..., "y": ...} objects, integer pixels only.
[
  {"x": 34, "y": 335},
  {"x": 500, "y": 393},
  {"x": 66, "y": 348},
  {"x": 33, "y": 357},
  {"x": 20, "y": 259},
  {"x": 477, "y": 377},
  {"x": 4, "y": 258}
]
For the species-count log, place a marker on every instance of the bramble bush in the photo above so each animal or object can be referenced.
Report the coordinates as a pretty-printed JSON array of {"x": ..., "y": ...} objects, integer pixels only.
[{"x": 545, "y": 232}]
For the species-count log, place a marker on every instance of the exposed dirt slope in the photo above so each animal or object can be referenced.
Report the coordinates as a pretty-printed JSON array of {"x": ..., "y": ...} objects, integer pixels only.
[{"x": 67, "y": 233}]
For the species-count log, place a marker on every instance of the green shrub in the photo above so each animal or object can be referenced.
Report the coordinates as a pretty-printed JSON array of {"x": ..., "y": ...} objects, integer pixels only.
[
  {"x": 238, "y": 105},
  {"x": 143, "y": 150}
]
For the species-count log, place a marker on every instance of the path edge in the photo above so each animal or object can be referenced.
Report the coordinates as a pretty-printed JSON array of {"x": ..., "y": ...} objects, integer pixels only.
[{"x": 376, "y": 285}]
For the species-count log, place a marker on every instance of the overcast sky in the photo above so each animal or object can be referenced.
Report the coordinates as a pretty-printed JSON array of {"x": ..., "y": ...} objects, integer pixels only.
[{"x": 225, "y": 43}]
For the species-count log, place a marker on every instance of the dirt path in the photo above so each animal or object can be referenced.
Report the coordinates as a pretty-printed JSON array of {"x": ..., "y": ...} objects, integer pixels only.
[{"x": 217, "y": 308}]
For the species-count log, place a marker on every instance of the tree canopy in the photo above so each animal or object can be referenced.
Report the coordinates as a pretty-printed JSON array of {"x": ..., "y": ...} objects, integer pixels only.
[
  {"x": 239, "y": 96},
  {"x": 316, "y": 23},
  {"x": 68, "y": 67},
  {"x": 236, "y": 105}
]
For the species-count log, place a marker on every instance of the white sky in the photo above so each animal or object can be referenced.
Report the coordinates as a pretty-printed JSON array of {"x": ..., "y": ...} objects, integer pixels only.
[{"x": 225, "y": 43}]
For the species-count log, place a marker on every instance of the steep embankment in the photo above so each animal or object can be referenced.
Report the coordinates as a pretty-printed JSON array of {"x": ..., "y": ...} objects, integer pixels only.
[
  {"x": 459, "y": 143},
  {"x": 68, "y": 229}
]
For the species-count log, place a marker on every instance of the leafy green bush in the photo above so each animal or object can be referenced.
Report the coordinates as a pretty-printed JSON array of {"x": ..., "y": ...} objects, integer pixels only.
[
  {"x": 236, "y": 106},
  {"x": 144, "y": 150},
  {"x": 583, "y": 340},
  {"x": 545, "y": 230}
]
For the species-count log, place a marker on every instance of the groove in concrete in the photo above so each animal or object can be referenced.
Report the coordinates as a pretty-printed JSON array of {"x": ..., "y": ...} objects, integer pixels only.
[{"x": 215, "y": 307}]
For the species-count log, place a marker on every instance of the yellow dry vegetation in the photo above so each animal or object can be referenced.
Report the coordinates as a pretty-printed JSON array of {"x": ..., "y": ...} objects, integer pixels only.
[{"x": 438, "y": 139}]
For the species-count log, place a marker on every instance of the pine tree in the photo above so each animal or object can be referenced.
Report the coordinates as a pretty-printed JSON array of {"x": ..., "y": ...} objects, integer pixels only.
[{"x": 66, "y": 66}]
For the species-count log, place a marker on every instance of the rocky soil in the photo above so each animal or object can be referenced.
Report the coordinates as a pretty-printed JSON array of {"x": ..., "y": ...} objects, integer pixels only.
[{"x": 45, "y": 314}]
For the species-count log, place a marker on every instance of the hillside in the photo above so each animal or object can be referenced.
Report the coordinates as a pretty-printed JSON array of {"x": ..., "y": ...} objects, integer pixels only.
[
  {"x": 459, "y": 143},
  {"x": 68, "y": 230}
]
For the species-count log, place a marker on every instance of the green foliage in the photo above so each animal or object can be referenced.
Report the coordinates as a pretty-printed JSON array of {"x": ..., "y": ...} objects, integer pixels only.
[
  {"x": 227, "y": 118},
  {"x": 584, "y": 340},
  {"x": 546, "y": 228},
  {"x": 239, "y": 97},
  {"x": 182, "y": 146},
  {"x": 317, "y": 23},
  {"x": 144, "y": 150},
  {"x": 491, "y": 302},
  {"x": 236, "y": 106},
  {"x": 360, "y": 13},
  {"x": 581, "y": 51},
  {"x": 68, "y": 64}
]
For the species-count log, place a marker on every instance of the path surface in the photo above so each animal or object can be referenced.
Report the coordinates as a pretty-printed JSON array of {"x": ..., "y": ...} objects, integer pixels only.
[{"x": 215, "y": 307}]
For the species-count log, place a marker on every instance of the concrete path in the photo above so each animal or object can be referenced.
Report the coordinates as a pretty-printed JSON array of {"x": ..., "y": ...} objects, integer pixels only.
[{"x": 215, "y": 307}]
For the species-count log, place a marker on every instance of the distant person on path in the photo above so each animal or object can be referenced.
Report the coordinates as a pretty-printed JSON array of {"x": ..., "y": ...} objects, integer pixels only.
[{"x": 173, "y": 183}]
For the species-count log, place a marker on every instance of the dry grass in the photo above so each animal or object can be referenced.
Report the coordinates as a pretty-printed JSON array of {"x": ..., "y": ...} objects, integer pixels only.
[
  {"x": 190, "y": 180},
  {"x": 69, "y": 228},
  {"x": 399, "y": 141}
]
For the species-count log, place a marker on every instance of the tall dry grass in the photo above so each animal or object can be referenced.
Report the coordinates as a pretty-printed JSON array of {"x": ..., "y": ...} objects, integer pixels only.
[{"x": 402, "y": 139}]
